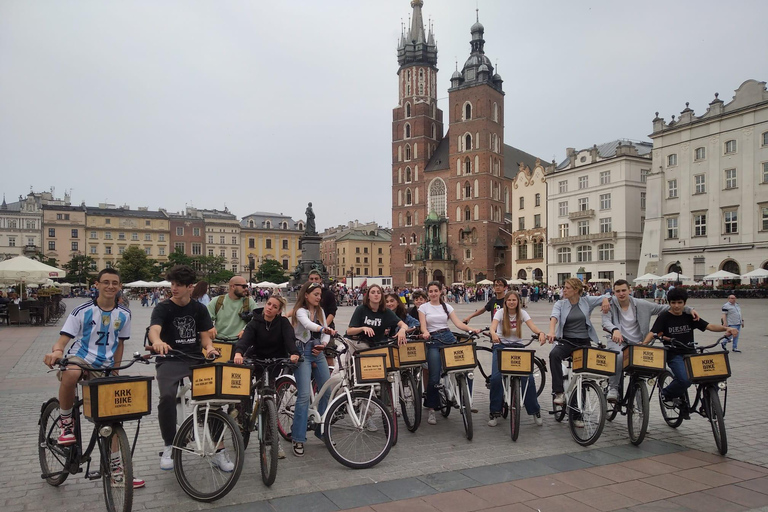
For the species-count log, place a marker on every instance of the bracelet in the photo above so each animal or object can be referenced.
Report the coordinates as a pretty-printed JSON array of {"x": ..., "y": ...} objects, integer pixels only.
[{"x": 55, "y": 349}]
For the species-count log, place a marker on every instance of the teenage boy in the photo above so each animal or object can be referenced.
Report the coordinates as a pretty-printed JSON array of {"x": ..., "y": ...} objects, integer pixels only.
[
  {"x": 628, "y": 321},
  {"x": 494, "y": 303},
  {"x": 182, "y": 324},
  {"x": 677, "y": 324},
  {"x": 100, "y": 328},
  {"x": 419, "y": 298}
]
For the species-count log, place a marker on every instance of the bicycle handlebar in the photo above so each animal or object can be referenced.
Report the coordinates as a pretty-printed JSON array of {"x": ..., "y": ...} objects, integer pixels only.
[
  {"x": 574, "y": 345},
  {"x": 674, "y": 342},
  {"x": 137, "y": 358}
]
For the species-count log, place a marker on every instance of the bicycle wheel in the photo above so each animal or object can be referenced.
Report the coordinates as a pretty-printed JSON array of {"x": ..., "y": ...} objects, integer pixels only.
[
  {"x": 613, "y": 408},
  {"x": 53, "y": 458},
  {"x": 388, "y": 397},
  {"x": 117, "y": 470},
  {"x": 242, "y": 417},
  {"x": 514, "y": 408},
  {"x": 715, "y": 414},
  {"x": 205, "y": 472},
  {"x": 268, "y": 440},
  {"x": 445, "y": 404},
  {"x": 465, "y": 407},
  {"x": 410, "y": 403},
  {"x": 669, "y": 411},
  {"x": 586, "y": 422},
  {"x": 637, "y": 411},
  {"x": 347, "y": 435},
  {"x": 539, "y": 374},
  {"x": 559, "y": 410},
  {"x": 285, "y": 393}
]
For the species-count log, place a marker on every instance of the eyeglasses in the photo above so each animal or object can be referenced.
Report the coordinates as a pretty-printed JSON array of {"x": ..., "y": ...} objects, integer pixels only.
[{"x": 243, "y": 285}]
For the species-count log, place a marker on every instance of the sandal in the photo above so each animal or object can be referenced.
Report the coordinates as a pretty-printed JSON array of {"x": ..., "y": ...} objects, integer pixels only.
[{"x": 298, "y": 449}]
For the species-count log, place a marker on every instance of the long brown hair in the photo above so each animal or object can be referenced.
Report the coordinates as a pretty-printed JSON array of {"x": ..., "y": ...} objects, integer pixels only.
[
  {"x": 506, "y": 325},
  {"x": 367, "y": 300},
  {"x": 400, "y": 309},
  {"x": 439, "y": 286},
  {"x": 301, "y": 302},
  {"x": 200, "y": 289}
]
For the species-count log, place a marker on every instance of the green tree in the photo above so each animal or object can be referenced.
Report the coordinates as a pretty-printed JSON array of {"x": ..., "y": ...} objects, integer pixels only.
[
  {"x": 134, "y": 265},
  {"x": 79, "y": 269},
  {"x": 272, "y": 271},
  {"x": 45, "y": 259},
  {"x": 212, "y": 269}
]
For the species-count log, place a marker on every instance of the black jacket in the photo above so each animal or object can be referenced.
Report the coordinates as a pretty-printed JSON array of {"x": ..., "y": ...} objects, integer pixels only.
[{"x": 266, "y": 340}]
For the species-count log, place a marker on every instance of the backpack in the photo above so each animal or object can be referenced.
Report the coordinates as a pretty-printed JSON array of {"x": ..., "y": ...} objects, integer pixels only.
[{"x": 220, "y": 303}]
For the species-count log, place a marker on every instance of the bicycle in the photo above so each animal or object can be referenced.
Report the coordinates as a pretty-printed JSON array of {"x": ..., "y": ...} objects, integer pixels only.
[
  {"x": 259, "y": 414},
  {"x": 709, "y": 372},
  {"x": 225, "y": 346},
  {"x": 353, "y": 409},
  {"x": 584, "y": 374},
  {"x": 207, "y": 430},
  {"x": 539, "y": 376},
  {"x": 412, "y": 356},
  {"x": 515, "y": 364},
  {"x": 107, "y": 402}
]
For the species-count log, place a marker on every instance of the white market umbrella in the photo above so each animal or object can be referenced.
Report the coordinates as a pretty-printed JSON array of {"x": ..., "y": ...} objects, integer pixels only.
[
  {"x": 674, "y": 276},
  {"x": 600, "y": 280},
  {"x": 28, "y": 270},
  {"x": 646, "y": 278},
  {"x": 721, "y": 275},
  {"x": 266, "y": 284},
  {"x": 758, "y": 273},
  {"x": 283, "y": 285},
  {"x": 165, "y": 284},
  {"x": 485, "y": 281},
  {"x": 137, "y": 284},
  {"x": 514, "y": 281}
]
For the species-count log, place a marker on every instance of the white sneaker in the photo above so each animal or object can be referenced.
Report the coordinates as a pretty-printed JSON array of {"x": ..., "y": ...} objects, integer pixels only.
[
  {"x": 578, "y": 423},
  {"x": 431, "y": 418},
  {"x": 494, "y": 421},
  {"x": 537, "y": 418},
  {"x": 166, "y": 459},
  {"x": 559, "y": 399},
  {"x": 370, "y": 426},
  {"x": 280, "y": 451},
  {"x": 221, "y": 461},
  {"x": 613, "y": 395}
]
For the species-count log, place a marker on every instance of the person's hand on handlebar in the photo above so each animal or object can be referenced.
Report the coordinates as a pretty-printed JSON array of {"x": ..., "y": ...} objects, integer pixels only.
[
  {"x": 53, "y": 357},
  {"x": 368, "y": 332},
  {"x": 211, "y": 352},
  {"x": 495, "y": 338},
  {"x": 542, "y": 338},
  {"x": 295, "y": 358},
  {"x": 332, "y": 332},
  {"x": 160, "y": 348},
  {"x": 238, "y": 359},
  {"x": 551, "y": 337},
  {"x": 617, "y": 337},
  {"x": 401, "y": 337}
]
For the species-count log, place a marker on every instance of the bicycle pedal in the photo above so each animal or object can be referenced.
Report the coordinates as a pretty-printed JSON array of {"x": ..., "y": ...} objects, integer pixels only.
[{"x": 93, "y": 475}]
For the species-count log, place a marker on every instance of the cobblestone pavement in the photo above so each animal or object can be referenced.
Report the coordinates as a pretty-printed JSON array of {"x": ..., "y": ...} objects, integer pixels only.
[{"x": 431, "y": 451}]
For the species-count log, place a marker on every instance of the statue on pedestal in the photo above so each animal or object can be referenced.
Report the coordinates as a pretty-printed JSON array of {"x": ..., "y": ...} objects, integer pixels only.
[{"x": 310, "y": 228}]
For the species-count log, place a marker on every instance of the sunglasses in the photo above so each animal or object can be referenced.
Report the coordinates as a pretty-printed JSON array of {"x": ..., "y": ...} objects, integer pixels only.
[
  {"x": 313, "y": 286},
  {"x": 241, "y": 285}
]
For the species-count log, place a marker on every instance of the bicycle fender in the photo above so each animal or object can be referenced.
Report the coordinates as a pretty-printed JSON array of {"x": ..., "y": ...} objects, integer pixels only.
[{"x": 45, "y": 404}]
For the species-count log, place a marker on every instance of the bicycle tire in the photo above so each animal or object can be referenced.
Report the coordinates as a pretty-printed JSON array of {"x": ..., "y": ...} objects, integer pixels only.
[
  {"x": 539, "y": 374},
  {"x": 505, "y": 410},
  {"x": 53, "y": 458},
  {"x": 410, "y": 405},
  {"x": 671, "y": 413},
  {"x": 285, "y": 393},
  {"x": 638, "y": 407},
  {"x": 268, "y": 440},
  {"x": 514, "y": 409},
  {"x": 445, "y": 405},
  {"x": 465, "y": 408},
  {"x": 592, "y": 413},
  {"x": 243, "y": 418},
  {"x": 118, "y": 485},
  {"x": 196, "y": 473},
  {"x": 716, "y": 420},
  {"x": 350, "y": 442},
  {"x": 559, "y": 410},
  {"x": 388, "y": 388},
  {"x": 613, "y": 408}
]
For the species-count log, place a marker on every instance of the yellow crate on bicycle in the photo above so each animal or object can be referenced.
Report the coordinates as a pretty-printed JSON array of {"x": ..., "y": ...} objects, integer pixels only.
[
  {"x": 392, "y": 355},
  {"x": 225, "y": 348},
  {"x": 221, "y": 381},
  {"x": 370, "y": 368},
  {"x": 515, "y": 362},
  {"x": 413, "y": 353},
  {"x": 644, "y": 360},
  {"x": 594, "y": 360},
  {"x": 119, "y": 398},
  {"x": 713, "y": 366},
  {"x": 458, "y": 357}
]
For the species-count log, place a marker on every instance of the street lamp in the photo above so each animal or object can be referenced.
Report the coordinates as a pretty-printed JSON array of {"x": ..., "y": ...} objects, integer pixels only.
[
  {"x": 677, "y": 272},
  {"x": 251, "y": 264},
  {"x": 529, "y": 269}
]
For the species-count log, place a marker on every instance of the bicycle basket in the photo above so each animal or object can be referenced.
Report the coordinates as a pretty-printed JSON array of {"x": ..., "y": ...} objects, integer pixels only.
[
  {"x": 413, "y": 353},
  {"x": 714, "y": 366},
  {"x": 392, "y": 355},
  {"x": 458, "y": 357},
  {"x": 644, "y": 360},
  {"x": 370, "y": 368},
  {"x": 225, "y": 348},
  {"x": 120, "y": 398},
  {"x": 224, "y": 381},
  {"x": 594, "y": 360},
  {"x": 515, "y": 362}
]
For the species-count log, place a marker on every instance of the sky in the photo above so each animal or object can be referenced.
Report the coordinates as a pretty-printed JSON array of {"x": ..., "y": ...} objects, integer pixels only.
[{"x": 265, "y": 106}]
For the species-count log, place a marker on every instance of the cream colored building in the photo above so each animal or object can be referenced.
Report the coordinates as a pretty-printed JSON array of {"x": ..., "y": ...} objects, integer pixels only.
[
  {"x": 111, "y": 230},
  {"x": 527, "y": 221},
  {"x": 222, "y": 236},
  {"x": 64, "y": 232},
  {"x": 270, "y": 236},
  {"x": 20, "y": 227},
  {"x": 596, "y": 203},
  {"x": 708, "y": 191},
  {"x": 363, "y": 252}
]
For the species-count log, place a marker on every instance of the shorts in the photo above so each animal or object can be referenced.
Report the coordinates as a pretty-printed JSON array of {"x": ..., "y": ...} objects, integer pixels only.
[{"x": 86, "y": 375}]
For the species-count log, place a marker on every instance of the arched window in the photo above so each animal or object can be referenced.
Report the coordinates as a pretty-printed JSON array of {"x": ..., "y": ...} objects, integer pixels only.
[
  {"x": 467, "y": 190},
  {"x": 467, "y": 111},
  {"x": 434, "y": 111},
  {"x": 467, "y": 213},
  {"x": 400, "y": 219},
  {"x": 268, "y": 224},
  {"x": 434, "y": 131},
  {"x": 583, "y": 253},
  {"x": 605, "y": 252},
  {"x": 408, "y": 257},
  {"x": 408, "y": 219},
  {"x": 301, "y": 227},
  {"x": 437, "y": 197},
  {"x": 407, "y": 152},
  {"x": 731, "y": 266},
  {"x": 467, "y": 142},
  {"x": 458, "y": 214},
  {"x": 284, "y": 225},
  {"x": 250, "y": 223},
  {"x": 467, "y": 166},
  {"x": 413, "y": 238},
  {"x": 495, "y": 112},
  {"x": 564, "y": 255},
  {"x": 421, "y": 82},
  {"x": 522, "y": 274},
  {"x": 408, "y": 176},
  {"x": 477, "y": 212},
  {"x": 468, "y": 275},
  {"x": 407, "y": 110},
  {"x": 408, "y": 197},
  {"x": 402, "y": 239},
  {"x": 407, "y": 130},
  {"x": 468, "y": 254}
]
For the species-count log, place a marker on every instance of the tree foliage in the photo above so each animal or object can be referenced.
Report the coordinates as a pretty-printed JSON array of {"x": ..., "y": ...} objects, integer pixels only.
[
  {"x": 272, "y": 271},
  {"x": 135, "y": 265},
  {"x": 79, "y": 269}
]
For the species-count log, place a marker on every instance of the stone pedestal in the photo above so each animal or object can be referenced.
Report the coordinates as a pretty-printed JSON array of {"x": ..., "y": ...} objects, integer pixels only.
[{"x": 310, "y": 259}]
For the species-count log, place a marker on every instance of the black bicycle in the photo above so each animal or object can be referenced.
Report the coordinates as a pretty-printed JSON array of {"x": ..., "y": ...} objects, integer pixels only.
[
  {"x": 106, "y": 402},
  {"x": 709, "y": 371}
]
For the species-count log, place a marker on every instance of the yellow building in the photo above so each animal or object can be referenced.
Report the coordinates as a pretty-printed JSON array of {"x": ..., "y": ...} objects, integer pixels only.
[
  {"x": 63, "y": 232},
  {"x": 363, "y": 252},
  {"x": 110, "y": 231},
  {"x": 270, "y": 236}
]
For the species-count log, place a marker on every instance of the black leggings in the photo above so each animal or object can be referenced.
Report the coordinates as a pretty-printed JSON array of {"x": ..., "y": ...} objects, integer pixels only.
[{"x": 559, "y": 352}]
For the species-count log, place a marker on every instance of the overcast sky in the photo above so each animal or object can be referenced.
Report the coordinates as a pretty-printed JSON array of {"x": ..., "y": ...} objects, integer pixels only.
[{"x": 264, "y": 106}]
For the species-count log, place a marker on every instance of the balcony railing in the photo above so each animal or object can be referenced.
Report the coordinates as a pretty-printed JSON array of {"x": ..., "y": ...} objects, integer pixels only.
[
  {"x": 433, "y": 251},
  {"x": 581, "y": 214},
  {"x": 610, "y": 235}
]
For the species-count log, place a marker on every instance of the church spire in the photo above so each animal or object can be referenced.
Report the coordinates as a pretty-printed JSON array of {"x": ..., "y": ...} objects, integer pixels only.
[{"x": 416, "y": 47}]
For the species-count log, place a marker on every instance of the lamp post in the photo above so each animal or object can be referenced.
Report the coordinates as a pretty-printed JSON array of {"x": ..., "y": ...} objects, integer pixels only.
[
  {"x": 677, "y": 273},
  {"x": 251, "y": 264},
  {"x": 529, "y": 269}
]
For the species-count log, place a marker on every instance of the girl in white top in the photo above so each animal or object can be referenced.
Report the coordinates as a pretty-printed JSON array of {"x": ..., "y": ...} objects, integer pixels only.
[
  {"x": 433, "y": 317},
  {"x": 506, "y": 331}
]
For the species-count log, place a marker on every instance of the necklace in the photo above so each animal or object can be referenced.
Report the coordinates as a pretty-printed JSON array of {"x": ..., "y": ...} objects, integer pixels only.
[{"x": 268, "y": 325}]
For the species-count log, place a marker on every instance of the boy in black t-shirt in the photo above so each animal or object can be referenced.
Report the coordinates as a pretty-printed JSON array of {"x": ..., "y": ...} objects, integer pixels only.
[
  {"x": 495, "y": 303},
  {"x": 679, "y": 325},
  {"x": 182, "y": 324},
  {"x": 419, "y": 298}
]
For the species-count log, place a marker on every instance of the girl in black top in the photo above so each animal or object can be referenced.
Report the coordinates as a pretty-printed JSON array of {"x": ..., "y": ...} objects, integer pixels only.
[{"x": 268, "y": 335}]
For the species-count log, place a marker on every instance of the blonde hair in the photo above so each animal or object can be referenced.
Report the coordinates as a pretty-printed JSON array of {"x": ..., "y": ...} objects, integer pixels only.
[
  {"x": 279, "y": 299},
  {"x": 506, "y": 325},
  {"x": 575, "y": 283}
]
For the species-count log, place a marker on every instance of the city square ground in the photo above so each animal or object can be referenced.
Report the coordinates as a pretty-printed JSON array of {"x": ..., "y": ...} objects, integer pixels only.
[{"x": 435, "y": 468}]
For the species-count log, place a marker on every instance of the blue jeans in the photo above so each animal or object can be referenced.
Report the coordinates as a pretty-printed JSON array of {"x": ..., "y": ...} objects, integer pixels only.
[
  {"x": 303, "y": 375},
  {"x": 736, "y": 338},
  {"x": 678, "y": 386},
  {"x": 435, "y": 367},
  {"x": 497, "y": 391}
]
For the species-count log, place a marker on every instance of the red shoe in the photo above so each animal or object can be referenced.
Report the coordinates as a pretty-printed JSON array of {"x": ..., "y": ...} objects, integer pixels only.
[
  {"x": 138, "y": 483},
  {"x": 67, "y": 435}
]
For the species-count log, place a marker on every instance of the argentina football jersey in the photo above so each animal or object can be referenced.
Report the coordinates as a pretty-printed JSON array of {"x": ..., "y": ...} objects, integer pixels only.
[{"x": 97, "y": 333}]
